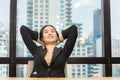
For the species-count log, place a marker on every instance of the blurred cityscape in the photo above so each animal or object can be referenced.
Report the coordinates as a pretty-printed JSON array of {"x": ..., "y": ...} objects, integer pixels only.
[{"x": 40, "y": 13}]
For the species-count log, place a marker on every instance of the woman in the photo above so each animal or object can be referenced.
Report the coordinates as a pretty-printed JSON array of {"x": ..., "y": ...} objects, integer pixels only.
[{"x": 49, "y": 61}]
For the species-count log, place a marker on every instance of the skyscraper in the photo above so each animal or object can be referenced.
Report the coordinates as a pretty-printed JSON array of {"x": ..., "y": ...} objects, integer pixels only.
[
  {"x": 97, "y": 30},
  {"x": 42, "y": 12},
  {"x": 4, "y": 52}
]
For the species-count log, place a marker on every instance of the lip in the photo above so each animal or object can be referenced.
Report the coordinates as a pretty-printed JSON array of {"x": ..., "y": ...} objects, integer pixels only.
[{"x": 50, "y": 37}]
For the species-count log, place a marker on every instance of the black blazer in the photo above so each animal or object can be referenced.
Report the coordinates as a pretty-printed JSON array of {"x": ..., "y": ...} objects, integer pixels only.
[{"x": 60, "y": 55}]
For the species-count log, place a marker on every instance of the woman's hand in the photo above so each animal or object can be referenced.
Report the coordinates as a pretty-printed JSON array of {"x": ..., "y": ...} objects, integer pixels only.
[
  {"x": 61, "y": 39},
  {"x": 41, "y": 42}
]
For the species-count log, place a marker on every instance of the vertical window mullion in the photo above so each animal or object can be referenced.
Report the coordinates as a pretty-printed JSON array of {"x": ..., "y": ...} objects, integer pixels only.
[
  {"x": 12, "y": 67},
  {"x": 107, "y": 37}
]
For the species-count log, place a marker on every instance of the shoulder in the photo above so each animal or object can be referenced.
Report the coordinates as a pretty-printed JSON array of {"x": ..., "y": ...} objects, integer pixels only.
[{"x": 58, "y": 49}]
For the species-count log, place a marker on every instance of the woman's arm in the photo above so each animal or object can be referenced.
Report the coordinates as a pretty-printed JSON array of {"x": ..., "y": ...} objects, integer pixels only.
[
  {"x": 71, "y": 35},
  {"x": 28, "y": 36}
]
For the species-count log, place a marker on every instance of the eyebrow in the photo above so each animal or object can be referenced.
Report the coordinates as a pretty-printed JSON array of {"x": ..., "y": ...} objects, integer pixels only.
[{"x": 51, "y": 29}]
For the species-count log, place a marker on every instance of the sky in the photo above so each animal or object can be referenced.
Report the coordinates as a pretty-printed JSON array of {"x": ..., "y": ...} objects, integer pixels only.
[
  {"x": 4, "y": 16},
  {"x": 82, "y": 12},
  {"x": 115, "y": 19}
]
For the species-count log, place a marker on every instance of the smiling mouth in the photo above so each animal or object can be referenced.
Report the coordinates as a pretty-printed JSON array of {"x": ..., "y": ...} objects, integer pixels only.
[{"x": 50, "y": 37}]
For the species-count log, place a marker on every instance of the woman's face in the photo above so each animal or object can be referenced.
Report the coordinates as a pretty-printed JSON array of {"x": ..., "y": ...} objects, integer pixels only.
[{"x": 49, "y": 35}]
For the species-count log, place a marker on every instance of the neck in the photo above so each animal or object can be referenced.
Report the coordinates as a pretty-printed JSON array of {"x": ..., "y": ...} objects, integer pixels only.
[{"x": 50, "y": 47}]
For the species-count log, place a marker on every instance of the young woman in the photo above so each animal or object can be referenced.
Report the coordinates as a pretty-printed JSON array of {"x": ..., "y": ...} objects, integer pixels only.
[{"x": 49, "y": 61}]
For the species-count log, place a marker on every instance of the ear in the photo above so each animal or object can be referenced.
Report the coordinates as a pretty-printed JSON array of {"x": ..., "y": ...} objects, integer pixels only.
[
  {"x": 41, "y": 42},
  {"x": 58, "y": 41}
]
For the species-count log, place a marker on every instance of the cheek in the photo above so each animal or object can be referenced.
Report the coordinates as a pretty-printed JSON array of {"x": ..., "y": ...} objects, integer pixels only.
[
  {"x": 44, "y": 36},
  {"x": 56, "y": 38}
]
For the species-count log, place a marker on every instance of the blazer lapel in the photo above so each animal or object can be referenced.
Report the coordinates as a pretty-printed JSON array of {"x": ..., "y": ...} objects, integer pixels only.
[
  {"x": 55, "y": 54},
  {"x": 43, "y": 55}
]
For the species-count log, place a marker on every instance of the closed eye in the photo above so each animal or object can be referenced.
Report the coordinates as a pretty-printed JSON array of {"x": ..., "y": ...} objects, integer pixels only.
[
  {"x": 46, "y": 32},
  {"x": 52, "y": 31}
]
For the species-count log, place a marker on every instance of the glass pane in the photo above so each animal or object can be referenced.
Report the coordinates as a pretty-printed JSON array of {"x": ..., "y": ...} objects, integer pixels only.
[
  {"x": 71, "y": 70},
  {"x": 4, "y": 70},
  {"x": 21, "y": 50},
  {"x": 86, "y": 14},
  {"x": 115, "y": 27},
  {"x": 116, "y": 70},
  {"x": 85, "y": 70},
  {"x": 21, "y": 70},
  {"x": 4, "y": 27}
]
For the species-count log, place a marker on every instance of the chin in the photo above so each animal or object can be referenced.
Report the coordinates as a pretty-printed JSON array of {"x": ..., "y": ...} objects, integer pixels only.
[{"x": 51, "y": 41}]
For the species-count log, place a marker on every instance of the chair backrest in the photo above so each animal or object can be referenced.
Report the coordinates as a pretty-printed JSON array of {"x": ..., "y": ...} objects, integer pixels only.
[
  {"x": 30, "y": 68},
  {"x": 65, "y": 70}
]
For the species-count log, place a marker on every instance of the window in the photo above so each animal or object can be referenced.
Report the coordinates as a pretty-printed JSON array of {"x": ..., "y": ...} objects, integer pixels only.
[
  {"x": 4, "y": 25},
  {"x": 46, "y": 14},
  {"x": 41, "y": 6},
  {"x": 96, "y": 52},
  {"x": 4, "y": 70},
  {"x": 115, "y": 26},
  {"x": 41, "y": 1},
  {"x": 115, "y": 35},
  {"x": 46, "y": 1},
  {"x": 46, "y": 6},
  {"x": 21, "y": 70},
  {"x": 4, "y": 37}
]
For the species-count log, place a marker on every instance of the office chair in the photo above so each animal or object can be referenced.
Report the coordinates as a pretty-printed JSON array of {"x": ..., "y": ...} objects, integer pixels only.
[{"x": 30, "y": 68}]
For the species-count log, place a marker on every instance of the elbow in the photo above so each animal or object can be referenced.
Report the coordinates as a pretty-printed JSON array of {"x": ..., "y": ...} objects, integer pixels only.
[
  {"x": 74, "y": 28},
  {"x": 22, "y": 28}
]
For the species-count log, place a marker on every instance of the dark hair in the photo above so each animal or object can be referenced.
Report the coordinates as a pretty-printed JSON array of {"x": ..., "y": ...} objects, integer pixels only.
[{"x": 41, "y": 32}]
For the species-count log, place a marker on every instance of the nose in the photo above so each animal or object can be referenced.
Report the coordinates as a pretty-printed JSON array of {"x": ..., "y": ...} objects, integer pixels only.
[{"x": 49, "y": 33}]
